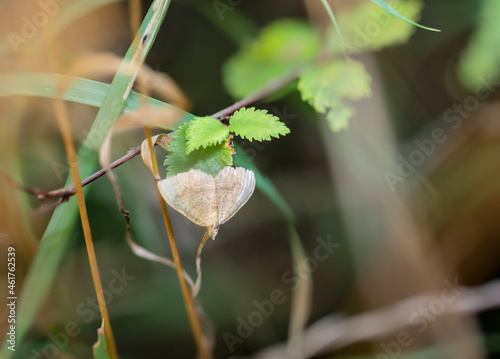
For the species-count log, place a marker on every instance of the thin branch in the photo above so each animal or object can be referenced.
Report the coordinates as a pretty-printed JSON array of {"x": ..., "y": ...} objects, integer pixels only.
[
  {"x": 268, "y": 90},
  {"x": 194, "y": 320},
  {"x": 332, "y": 333},
  {"x": 64, "y": 193}
]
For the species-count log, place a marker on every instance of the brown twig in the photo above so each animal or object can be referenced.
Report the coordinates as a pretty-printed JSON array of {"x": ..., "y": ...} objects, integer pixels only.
[
  {"x": 65, "y": 193},
  {"x": 271, "y": 88}
]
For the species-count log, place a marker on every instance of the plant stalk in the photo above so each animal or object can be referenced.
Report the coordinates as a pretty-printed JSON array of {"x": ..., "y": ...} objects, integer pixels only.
[{"x": 199, "y": 337}]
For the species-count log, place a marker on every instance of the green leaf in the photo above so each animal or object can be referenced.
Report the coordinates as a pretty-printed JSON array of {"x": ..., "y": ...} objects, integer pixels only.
[
  {"x": 368, "y": 27},
  {"x": 280, "y": 48},
  {"x": 384, "y": 5},
  {"x": 339, "y": 115},
  {"x": 327, "y": 87},
  {"x": 204, "y": 132},
  {"x": 481, "y": 58},
  {"x": 100, "y": 347},
  {"x": 256, "y": 124},
  {"x": 209, "y": 160}
]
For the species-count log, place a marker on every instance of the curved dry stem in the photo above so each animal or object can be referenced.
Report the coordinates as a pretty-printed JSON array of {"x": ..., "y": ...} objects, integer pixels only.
[
  {"x": 197, "y": 285},
  {"x": 150, "y": 256}
]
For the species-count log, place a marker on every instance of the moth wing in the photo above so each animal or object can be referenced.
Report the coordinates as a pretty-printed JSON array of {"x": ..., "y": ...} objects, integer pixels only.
[
  {"x": 233, "y": 188},
  {"x": 193, "y": 195}
]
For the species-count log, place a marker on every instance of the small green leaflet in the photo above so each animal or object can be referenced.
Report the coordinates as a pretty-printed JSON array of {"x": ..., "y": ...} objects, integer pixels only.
[
  {"x": 210, "y": 160},
  {"x": 204, "y": 132},
  {"x": 328, "y": 86},
  {"x": 384, "y": 5},
  {"x": 338, "y": 116},
  {"x": 203, "y": 143},
  {"x": 281, "y": 47},
  {"x": 256, "y": 124}
]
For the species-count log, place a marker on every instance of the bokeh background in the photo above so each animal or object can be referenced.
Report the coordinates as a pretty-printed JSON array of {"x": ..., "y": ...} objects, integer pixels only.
[{"x": 438, "y": 224}]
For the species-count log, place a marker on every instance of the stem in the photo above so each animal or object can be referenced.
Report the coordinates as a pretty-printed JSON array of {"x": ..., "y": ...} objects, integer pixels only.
[
  {"x": 201, "y": 343},
  {"x": 199, "y": 338},
  {"x": 62, "y": 117},
  {"x": 260, "y": 95},
  {"x": 197, "y": 284},
  {"x": 65, "y": 193},
  {"x": 268, "y": 90}
]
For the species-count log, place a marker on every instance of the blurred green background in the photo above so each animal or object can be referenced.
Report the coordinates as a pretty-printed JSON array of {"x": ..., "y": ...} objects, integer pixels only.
[{"x": 332, "y": 182}]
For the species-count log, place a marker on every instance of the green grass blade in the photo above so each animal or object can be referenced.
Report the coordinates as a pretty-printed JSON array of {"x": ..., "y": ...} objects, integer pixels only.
[
  {"x": 56, "y": 238},
  {"x": 80, "y": 90},
  {"x": 332, "y": 18},
  {"x": 302, "y": 294},
  {"x": 384, "y": 5},
  {"x": 264, "y": 184}
]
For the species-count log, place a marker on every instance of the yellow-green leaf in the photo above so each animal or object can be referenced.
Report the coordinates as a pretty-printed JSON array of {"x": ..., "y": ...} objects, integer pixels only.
[
  {"x": 481, "y": 58},
  {"x": 327, "y": 87},
  {"x": 280, "y": 48},
  {"x": 204, "y": 132},
  {"x": 209, "y": 160}
]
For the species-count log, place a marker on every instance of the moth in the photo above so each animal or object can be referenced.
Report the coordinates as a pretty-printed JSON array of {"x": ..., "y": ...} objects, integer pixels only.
[{"x": 208, "y": 201}]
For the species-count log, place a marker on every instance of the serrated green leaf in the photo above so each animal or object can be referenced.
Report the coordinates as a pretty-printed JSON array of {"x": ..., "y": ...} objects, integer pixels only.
[
  {"x": 327, "y": 87},
  {"x": 256, "y": 125},
  {"x": 204, "y": 132},
  {"x": 280, "y": 48},
  {"x": 481, "y": 58},
  {"x": 209, "y": 160},
  {"x": 369, "y": 27}
]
